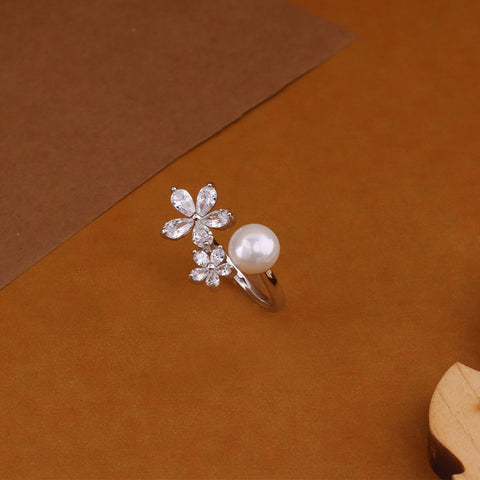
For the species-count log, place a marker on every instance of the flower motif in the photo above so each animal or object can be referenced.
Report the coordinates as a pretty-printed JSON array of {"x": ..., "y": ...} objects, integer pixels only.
[
  {"x": 210, "y": 268},
  {"x": 198, "y": 217}
]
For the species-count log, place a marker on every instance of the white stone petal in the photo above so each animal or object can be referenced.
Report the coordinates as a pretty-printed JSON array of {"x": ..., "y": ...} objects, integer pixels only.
[
  {"x": 206, "y": 199},
  {"x": 183, "y": 202},
  {"x": 201, "y": 258},
  {"x": 217, "y": 255},
  {"x": 198, "y": 274},
  {"x": 224, "y": 269},
  {"x": 213, "y": 280},
  {"x": 202, "y": 235},
  {"x": 177, "y": 228},
  {"x": 218, "y": 219}
]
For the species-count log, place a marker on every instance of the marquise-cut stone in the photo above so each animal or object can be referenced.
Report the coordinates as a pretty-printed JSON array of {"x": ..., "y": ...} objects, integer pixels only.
[
  {"x": 213, "y": 280},
  {"x": 224, "y": 270},
  {"x": 183, "y": 202},
  {"x": 217, "y": 256},
  {"x": 177, "y": 228},
  {"x": 217, "y": 219},
  {"x": 201, "y": 258},
  {"x": 202, "y": 235},
  {"x": 198, "y": 274},
  {"x": 206, "y": 199}
]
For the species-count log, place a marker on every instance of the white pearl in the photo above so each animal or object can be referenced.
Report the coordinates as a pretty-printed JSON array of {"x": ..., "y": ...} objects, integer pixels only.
[{"x": 254, "y": 248}]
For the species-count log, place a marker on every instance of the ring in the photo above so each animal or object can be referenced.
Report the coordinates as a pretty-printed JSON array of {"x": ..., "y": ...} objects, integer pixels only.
[{"x": 253, "y": 249}]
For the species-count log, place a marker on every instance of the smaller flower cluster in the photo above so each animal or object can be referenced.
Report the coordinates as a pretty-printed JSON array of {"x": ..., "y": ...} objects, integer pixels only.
[{"x": 210, "y": 268}]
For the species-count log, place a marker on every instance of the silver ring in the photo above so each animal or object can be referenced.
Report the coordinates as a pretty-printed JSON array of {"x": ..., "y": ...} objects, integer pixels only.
[{"x": 253, "y": 249}]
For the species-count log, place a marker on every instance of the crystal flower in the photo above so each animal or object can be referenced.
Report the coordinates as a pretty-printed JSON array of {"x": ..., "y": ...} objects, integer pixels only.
[
  {"x": 211, "y": 267},
  {"x": 197, "y": 217}
]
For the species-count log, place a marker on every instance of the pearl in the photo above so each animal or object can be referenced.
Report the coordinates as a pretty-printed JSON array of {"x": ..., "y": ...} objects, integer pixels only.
[{"x": 254, "y": 248}]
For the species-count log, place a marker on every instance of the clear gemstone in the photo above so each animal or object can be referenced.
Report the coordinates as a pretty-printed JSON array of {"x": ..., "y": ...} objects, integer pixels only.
[
  {"x": 202, "y": 235},
  {"x": 206, "y": 199},
  {"x": 213, "y": 280},
  {"x": 217, "y": 219},
  {"x": 224, "y": 269},
  {"x": 183, "y": 202},
  {"x": 217, "y": 255},
  {"x": 200, "y": 258},
  {"x": 198, "y": 274},
  {"x": 177, "y": 228}
]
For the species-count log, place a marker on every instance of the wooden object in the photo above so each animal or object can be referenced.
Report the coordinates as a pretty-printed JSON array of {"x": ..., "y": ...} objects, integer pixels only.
[{"x": 454, "y": 419}]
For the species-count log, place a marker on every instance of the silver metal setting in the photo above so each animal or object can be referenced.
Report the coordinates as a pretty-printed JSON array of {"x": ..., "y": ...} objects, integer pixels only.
[{"x": 212, "y": 261}]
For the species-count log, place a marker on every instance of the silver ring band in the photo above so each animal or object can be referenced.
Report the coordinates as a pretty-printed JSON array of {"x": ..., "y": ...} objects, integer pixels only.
[
  {"x": 275, "y": 299},
  {"x": 255, "y": 248}
]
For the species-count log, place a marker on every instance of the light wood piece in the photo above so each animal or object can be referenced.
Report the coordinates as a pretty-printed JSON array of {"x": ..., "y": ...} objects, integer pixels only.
[{"x": 454, "y": 419}]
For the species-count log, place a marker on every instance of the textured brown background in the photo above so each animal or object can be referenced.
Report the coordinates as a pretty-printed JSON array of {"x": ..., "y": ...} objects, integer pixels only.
[
  {"x": 115, "y": 366},
  {"x": 97, "y": 96}
]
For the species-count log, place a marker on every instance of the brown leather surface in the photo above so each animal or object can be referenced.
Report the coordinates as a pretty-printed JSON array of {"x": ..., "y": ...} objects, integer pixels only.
[
  {"x": 100, "y": 95},
  {"x": 115, "y": 366}
]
